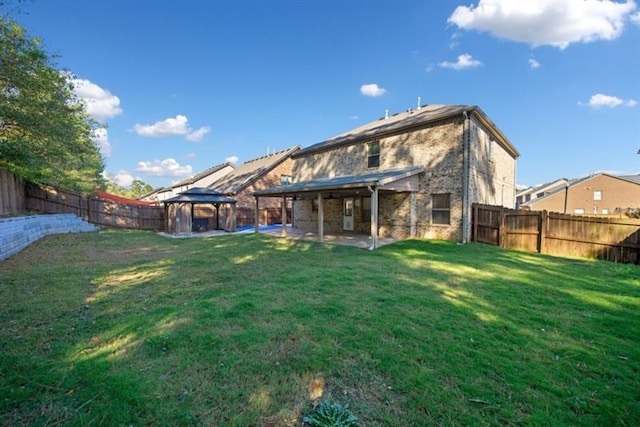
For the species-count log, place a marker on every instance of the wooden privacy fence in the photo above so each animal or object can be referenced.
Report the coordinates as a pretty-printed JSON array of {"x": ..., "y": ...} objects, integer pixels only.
[
  {"x": 95, "y": 210},
  {"x": 11, "y": 194},
  {"x": 614, "y": 239}
]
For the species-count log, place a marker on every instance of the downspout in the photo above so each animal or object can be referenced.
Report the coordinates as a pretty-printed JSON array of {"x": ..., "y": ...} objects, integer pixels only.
[{"x": 465, "y": 176}]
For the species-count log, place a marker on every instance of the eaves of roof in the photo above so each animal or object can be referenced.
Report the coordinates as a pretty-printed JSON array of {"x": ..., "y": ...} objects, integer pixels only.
[{"x": 378, "y": 178}]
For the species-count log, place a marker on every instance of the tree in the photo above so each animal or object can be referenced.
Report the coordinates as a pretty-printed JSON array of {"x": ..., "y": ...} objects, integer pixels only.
[
  {"x": 138, "y": 188},
  {"x": 46, "y": 136}
]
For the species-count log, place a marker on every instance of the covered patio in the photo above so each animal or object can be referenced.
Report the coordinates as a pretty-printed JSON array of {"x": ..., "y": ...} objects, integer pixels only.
[{"x": 372, "y": 184}]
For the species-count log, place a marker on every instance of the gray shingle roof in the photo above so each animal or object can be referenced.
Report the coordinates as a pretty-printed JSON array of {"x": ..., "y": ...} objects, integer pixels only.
[
  {"x": 200, "y": 195},
  {"x": 420, "y": 117},
  {"x": 245, "y": 174},
  {"x": 201, "y": 175}
]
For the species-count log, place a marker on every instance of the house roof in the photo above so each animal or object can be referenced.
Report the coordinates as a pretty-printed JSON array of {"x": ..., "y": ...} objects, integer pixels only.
[
  {"x": 248, "y": 172},
  {"x": 200, "y": 195},
  {"x": 203, "y": 174},
  {"x": 425, "y": 115},
  {"x": 635, "y": 179},
  {"x": 379, "y": 179}
]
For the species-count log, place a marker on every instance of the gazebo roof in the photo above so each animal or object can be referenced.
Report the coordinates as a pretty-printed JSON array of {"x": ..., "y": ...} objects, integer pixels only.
[{"x": 200, "y": 195}]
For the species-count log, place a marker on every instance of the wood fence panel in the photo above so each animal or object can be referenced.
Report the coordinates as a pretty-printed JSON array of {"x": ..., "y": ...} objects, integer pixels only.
[
  {"x": 12, "y": 200},
  {"x": 93, "y": 209},
  {"x": 613, "y": 239}
]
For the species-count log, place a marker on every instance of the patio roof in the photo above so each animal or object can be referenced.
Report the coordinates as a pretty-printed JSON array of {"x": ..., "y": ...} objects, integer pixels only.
[
  {"x": 390, "y": 179},
  {"x": 200, "y": 195}
]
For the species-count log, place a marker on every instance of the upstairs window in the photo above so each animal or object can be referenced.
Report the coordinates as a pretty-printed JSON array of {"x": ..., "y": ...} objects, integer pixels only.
[
  {"x": 441, "y": 209},
  {"x": 285, "y": 179},
  {"x": 597, "y": 195},
  {"x": 373, "y": 154}
]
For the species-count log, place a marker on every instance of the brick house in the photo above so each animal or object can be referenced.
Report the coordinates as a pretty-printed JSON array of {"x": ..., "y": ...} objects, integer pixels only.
[
  {"x": 200, "y": 180},
  {"x": 599, "y": 194},
  {"x": 253, "y": 175},
  {"x": 530, "y": 193},
  {"x": 412, "y": 174}
]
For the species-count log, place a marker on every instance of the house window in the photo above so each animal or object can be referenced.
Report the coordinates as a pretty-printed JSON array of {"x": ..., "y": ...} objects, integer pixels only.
[
  {"x": 373, "y": 154},
  {"x": 441, "y": 209},
  {"x": 366, "y": 209},
  {"x": 578, "y": 211},
  {"x": 285, "y": 179},
  {"x": 605, "y": 211},
  {"x": 597, "y": 195}
]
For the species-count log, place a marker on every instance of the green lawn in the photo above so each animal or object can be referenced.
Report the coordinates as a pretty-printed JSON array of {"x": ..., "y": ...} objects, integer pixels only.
[{"x": 130, "y": 328}]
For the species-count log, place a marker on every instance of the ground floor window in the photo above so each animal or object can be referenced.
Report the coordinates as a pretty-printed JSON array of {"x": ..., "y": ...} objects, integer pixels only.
[{"x": 441, "y": 209}]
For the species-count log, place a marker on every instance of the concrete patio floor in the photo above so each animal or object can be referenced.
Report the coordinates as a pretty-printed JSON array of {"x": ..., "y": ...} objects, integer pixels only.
[{"x": 362, "y": 241}]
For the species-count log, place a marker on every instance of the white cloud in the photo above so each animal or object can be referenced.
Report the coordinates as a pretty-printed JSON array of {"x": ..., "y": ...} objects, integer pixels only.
[
  {"x": 372, "y": 90},
  {"x": 198, "y": 134},
  {"x": 553, "y": 23},
  {"x": 100, "y": 103},
  {"x": 533, "y": 63},
  {"x": 190, "y": 156},
  {"x": 464, "y": 61},
  {"x": 164, "y": 168},
  {"x": 122, "y": 178},
  {"x": 101, "y": 138},
  {"x": 177, "y": 125},
  {"x": 232, "y": 159},
  {"x": 354, "y": 117},
  {"x": 600, "y": 100},
  {"x": 635, "y": 18}
]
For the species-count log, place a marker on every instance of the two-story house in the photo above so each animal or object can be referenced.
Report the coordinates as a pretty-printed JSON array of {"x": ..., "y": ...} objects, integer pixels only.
[
  {"x": 412, "y": 174},
  {"x": 598, "y": 194}
]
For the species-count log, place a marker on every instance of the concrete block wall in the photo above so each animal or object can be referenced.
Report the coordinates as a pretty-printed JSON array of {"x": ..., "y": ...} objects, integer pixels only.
[{"x": 19, "y": 232}]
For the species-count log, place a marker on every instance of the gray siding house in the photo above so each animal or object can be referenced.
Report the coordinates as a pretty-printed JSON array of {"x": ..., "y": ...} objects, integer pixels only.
[{"x": 410, "y": 175}]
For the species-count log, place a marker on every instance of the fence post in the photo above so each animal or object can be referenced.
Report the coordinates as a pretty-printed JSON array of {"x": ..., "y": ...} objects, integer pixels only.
[
  {"x": 542, "y": 231},
  {"x": 474, "y": 218},
  {"x": 502, "y": 231}
]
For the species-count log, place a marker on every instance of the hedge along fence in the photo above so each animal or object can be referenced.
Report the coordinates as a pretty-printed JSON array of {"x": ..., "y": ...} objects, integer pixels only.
[
  {"x": 613, "y": 239},
  {"x": 93, "y": 209}
]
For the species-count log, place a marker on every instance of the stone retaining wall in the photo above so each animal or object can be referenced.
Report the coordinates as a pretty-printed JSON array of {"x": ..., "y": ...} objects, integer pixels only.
[{"x": 19, "y": 232}]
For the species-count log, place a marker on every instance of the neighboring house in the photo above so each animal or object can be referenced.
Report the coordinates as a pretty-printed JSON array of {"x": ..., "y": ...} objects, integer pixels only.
[
  {"x": 201, "y": 180},
  {"x": 253, "y": 175},
  {"x": 413, "y": 174},
  {"x": 599, "y": 194},
  {"x": 532, "y": 193}
]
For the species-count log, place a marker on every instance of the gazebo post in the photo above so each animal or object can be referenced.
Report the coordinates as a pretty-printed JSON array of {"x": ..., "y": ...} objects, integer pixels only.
[{"x": 217, "y": 206}]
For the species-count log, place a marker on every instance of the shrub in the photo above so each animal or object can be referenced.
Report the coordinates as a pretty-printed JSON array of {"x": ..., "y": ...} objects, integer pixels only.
[{"x": 328, "y": 414}]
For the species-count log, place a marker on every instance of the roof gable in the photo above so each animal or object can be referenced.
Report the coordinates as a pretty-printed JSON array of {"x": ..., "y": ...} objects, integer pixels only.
[
  {"x": 195, "y": 178},
  {"x": 251, "y": 170}
]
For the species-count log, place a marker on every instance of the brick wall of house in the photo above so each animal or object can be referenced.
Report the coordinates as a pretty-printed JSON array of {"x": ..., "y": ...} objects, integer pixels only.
[
  {"x": 439, "y": 148},
  {"x": 268, "y": 180},
  {"x": 492, "y": 170},
  {"x": 617, "y": 196}
]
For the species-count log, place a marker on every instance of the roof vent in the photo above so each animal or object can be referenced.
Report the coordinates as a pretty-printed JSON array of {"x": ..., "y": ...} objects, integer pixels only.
[
  {"x": 386, "y": 113},
  {"x": 418, "y": 103}
]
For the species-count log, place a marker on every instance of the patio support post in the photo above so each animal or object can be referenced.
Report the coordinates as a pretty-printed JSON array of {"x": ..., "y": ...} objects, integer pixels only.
[
  {"x": 284, "y": 216},
  {"x": 257, "y": 214},
  {"x": 320, "y": 218},
  {"x": 414, "y": 202},
  {"x": 374, "y": 217}
]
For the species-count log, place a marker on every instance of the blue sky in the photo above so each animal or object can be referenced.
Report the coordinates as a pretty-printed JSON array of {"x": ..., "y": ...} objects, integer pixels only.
[{"x": 185, "y": 85}]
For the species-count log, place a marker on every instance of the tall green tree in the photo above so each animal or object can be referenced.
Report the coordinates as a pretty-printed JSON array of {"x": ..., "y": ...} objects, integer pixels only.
[{"x": 46, "y": 136}]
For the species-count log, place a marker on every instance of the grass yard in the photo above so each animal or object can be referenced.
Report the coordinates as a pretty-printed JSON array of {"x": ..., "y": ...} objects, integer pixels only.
[{"x": 130, "y": 328}]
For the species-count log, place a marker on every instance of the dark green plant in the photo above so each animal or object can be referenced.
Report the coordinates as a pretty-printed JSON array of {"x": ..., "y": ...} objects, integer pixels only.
[{"x": 331, "y": 414}]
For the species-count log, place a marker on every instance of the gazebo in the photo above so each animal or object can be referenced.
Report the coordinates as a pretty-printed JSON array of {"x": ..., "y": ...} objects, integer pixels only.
[{"x": 179, "y": 210}]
